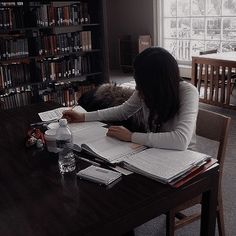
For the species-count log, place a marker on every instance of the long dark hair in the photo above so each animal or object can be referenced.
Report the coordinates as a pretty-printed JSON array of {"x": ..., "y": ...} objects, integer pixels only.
[{"x": 157, "y": 77}]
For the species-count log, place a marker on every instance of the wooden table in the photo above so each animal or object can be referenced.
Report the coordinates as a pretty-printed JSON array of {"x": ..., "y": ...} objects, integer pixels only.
[
  {"x": 36, "y": 200},
  {"x": 215, "y": 74}
]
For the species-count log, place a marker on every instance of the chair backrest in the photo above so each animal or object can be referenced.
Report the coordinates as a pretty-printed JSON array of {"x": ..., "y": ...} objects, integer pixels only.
[
  {"x": 212, "y": 77},
  {"x": 208, "y": 52},
  {"x": 214, "y": 126}
]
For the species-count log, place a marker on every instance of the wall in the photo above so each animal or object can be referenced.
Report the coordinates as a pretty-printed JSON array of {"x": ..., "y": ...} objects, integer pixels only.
[{"x": 127, "y": 17}]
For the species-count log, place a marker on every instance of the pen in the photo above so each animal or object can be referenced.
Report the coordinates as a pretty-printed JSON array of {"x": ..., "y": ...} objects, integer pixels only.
[
  {"x": 73, "y": 107},
  {"x": 44, "y": 122},
  {"x": 87, "y": 160},
  {"x": 105, "y": 162}
]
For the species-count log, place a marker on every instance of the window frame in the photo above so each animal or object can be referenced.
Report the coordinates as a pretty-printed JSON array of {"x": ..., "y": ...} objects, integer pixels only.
[{"x": 159, "y": 22}]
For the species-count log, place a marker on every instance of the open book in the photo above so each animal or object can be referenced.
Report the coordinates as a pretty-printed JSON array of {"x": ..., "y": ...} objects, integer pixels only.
[
  {"x": 91, "y": 137},
  {"x": 93, "y": 140}
]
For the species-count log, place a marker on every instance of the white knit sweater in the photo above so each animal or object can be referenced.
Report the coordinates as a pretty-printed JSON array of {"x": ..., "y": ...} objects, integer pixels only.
[{"x": 177, "y": 133}]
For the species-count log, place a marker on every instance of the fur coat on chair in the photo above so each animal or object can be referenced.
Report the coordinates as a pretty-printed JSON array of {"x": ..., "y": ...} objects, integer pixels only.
[{"x": 109, "y": 95}]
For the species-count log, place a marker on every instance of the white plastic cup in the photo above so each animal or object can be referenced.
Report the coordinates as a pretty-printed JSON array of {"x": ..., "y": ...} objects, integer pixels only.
[{"x": 50, "y": 138}]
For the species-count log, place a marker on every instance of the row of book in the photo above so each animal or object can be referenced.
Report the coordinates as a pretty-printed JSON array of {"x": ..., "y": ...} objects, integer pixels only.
[
  {"x": 11, "y": 18},
  {"x": 74, "y": 14},
  {"x": 64, "y": 43},
  {"x": 16, "y": 48},
  {"x": 64, "y": 68},
  {"x": 13, "y": 75},
  {"x": 44, "y": 16},
  {"x": 46, "y": 45},
  {"x": 66, "y": 95},
  {"x": 18, "y": 98}
]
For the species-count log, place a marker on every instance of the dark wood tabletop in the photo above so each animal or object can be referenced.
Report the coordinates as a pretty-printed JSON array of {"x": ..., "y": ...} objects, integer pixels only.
[{"x": 36, "y": 200}]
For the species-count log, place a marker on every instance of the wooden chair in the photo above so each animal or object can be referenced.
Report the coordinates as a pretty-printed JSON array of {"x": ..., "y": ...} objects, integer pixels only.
[
  {"x": 213, "y": 126},
  {"x": 214, "y": 80}
]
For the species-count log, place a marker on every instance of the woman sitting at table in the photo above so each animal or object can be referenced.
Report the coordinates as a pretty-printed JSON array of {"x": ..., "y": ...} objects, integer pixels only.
[{"x": 170, "y": 104}]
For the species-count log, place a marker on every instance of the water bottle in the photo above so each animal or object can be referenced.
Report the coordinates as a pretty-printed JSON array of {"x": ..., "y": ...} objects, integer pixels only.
[{"x": 64, "y": 145}]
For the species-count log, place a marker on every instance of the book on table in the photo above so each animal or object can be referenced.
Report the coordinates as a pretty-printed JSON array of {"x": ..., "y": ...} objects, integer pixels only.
[
  {"x": 159, "y": 164},
  {"x": 99, "y": 175},
  {"x": 91, "y": 137},
  {"x": 165, "y": 165}
]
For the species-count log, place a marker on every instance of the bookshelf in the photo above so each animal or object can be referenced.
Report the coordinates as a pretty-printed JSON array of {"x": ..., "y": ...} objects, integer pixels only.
[{"x": 51, "y": 51}]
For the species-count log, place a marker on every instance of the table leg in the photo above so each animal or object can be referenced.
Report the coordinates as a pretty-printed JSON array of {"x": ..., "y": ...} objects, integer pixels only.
[{"x": 209, "y": 206}]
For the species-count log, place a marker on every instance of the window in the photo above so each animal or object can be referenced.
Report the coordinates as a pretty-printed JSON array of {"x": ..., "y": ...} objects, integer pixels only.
[{"x": 191, "y": 26}]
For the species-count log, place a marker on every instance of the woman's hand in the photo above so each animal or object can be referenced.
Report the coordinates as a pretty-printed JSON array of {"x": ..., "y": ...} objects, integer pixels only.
[
  {"x": 120, "y": 133},
  {"x": 73, "y": 116}
]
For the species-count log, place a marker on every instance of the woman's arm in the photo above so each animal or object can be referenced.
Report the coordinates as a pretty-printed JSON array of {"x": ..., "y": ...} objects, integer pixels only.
[
  {"x": 117, "y": 113},
  {"x": 184, "y": 126}
]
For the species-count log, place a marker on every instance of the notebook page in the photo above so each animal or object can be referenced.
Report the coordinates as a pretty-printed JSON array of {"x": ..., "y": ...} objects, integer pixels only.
[
  {"x": 164, "y": 164},
  {"x": 113, "y": 150},
  {"x": 89, "y": 134}
]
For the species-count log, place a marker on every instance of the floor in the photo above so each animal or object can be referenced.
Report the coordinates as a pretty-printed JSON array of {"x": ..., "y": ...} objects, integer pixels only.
[{"x": 156, "y": 227}]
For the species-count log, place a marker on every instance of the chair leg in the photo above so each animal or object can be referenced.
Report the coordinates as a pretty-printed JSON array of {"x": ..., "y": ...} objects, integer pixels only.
[
  {"x": 232, "y": 86},
  {"x": 220, "y": 218},
  {"x": 170, "y": 223}
]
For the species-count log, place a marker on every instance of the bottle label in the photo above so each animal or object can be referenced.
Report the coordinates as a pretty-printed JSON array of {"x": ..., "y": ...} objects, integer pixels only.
[{"x": 63, "y": 143}]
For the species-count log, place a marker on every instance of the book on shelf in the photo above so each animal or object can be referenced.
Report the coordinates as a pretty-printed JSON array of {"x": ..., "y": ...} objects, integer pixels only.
[
  {"x": 161, "y": 165},
  {"x": 15, "y": 98}
]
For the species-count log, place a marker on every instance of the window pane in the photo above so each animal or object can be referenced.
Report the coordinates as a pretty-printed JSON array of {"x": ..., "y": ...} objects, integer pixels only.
[
  {"x": 170, "y": 30},
  {"x": 170, "y": 45},
  {"x": 229, "y": 28},
  {"x": 229, "y": 7},
  {"x": 183, "y": 8},
  {"x": 184, "y": 27},
  {"x": 198, "y": 28},
  {"x": 198, "y": 7},
  {"x": 196, "y": 47},
  {"x": 213, "y": 7},
  {"x": 170, "y": 8},
  {"x": 210, "y": 45},
  {"x": 183, "y": 50},
  {"x": 213, "y": 28},
  {"x": 228, "y": 46}
]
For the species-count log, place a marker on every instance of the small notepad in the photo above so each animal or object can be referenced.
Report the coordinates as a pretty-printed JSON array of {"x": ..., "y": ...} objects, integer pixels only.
[{"x": 99, "y": 175}]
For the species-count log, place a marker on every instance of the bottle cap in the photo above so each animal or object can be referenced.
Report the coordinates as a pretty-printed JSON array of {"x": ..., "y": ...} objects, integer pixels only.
[{"x": 63, "y": 122}]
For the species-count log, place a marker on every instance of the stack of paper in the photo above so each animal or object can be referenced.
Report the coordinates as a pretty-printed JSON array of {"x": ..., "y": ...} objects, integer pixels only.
[{"x": 165, "y": 165}]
